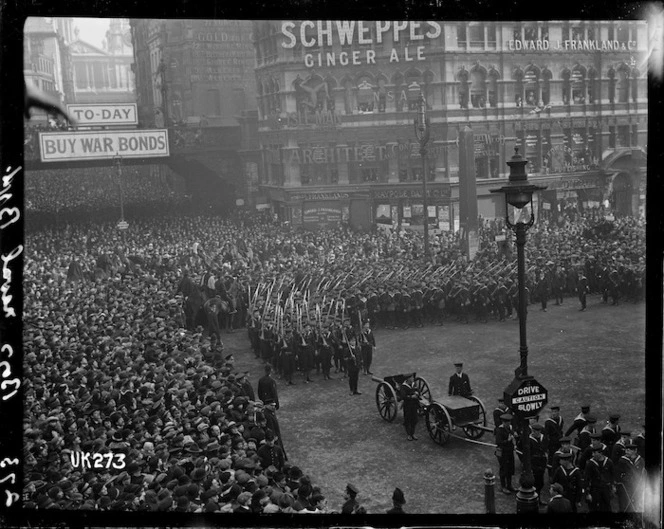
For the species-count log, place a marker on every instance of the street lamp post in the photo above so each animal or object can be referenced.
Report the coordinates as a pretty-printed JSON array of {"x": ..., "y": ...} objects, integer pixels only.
[
  {"x": 518, "y": 194},
  {"x": 118, "y": 164},
  {"x": 422, "y": 133}
]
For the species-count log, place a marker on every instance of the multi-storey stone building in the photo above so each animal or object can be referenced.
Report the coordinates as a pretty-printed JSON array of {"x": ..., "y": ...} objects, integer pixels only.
[{"x": 337, "y": 100}]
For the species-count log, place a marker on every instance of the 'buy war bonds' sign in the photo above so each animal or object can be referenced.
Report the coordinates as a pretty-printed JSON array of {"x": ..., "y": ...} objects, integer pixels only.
[{"x": 98, "y": 145}]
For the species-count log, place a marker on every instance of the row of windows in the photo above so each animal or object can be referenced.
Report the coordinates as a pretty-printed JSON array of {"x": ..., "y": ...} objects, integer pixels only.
[{"x": 102, "y": 76}]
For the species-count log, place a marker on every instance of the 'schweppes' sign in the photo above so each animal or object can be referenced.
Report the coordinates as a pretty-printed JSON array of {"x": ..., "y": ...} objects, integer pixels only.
[
  {"x": 104, "y": 114},
  {"x": 71, "y": 146},
  {"x": 526, "y": 397}
]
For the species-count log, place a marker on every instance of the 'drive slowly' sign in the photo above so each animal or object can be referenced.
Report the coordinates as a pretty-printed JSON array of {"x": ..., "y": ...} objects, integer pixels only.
[
  {"x": 95, "y": 114},
  {"x": 71, "y": 146},
  {"x": 526, "y": 397}
]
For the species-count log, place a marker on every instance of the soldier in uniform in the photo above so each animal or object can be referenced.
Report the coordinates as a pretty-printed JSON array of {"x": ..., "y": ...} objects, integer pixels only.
[
  {"x": 571, "y": 479},
  {"x": 542, "y": 289},
  {"x": 582, "y": 288},
  {"x": 538, "y": 456},
  {"x": 417, "y": 298},
  {"x": 307, "y": 352},
  {"x": 405, "y": 309},
  {"x": 565, "y": 448},
  {"x": 611, "y": 431},
  {"x": 505, "y": 453},
  {"x": 630, "y": 475},
  {"x": 325, "y": 345},
  {"x": 288, "y": 358},
  {"x": 353, "y": 366},
  {"x": 368, "y": 344},
  {"x": 460, "y": 382},
  {"x": 599, "y": 479},
  {"x": 265, "y": 343},
  {"x": 500, "y": 300}
]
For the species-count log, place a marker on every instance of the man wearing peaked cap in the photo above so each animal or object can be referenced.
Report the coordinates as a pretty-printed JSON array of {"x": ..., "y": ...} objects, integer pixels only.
[
  {"x": 398, "y": 501},
  {"x": 351, "y": 506},
  {"x": 537, "y": 457},
  {"x": 599, "y": 479},
  {"x": 460, "y": 382},
  {"x": 553, "y": 431},
  {"x": 618, "y": 449}
]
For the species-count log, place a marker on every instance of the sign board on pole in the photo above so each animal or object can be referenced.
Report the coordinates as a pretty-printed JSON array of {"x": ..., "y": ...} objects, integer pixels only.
[
  {"x": 123, "y": 225},
  {"x": 526, "y": 397},
  {"x": 102, "y": 145},
  {"x": 104, "y": 114}
]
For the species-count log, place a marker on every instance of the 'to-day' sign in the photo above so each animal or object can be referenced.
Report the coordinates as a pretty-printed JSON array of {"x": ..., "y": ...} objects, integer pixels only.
[
  {"x": 97, "y": 145},
  {"x": 104, "y": 114}
]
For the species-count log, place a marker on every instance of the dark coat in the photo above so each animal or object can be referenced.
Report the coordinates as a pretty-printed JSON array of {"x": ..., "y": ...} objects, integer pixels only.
[
  {"x": 460, "y": 385},
  {"x": 267, "y": 390},
  {"x": 559, "y": 504}
]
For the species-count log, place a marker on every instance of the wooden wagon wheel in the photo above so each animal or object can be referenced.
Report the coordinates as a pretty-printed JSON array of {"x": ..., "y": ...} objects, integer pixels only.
[
  {"x": 470, "y": 430},
  {"x": 439, "y": 424},
  {"x": 421, "y": 385},
  {"x": 386, "y": 400}
]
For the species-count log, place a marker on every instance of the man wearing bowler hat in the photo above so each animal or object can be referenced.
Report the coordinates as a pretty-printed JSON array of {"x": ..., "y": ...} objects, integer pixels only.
[
  {"x": 398, "y": 501},
  {"x": 459, "y": 382}
]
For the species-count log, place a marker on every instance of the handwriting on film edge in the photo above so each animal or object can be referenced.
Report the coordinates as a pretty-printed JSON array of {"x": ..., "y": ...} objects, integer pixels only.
[{"x": 8, "y": 215}]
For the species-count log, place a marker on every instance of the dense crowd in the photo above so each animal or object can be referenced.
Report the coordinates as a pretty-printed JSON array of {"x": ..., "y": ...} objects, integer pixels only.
[{"x": 111, "y": 367}]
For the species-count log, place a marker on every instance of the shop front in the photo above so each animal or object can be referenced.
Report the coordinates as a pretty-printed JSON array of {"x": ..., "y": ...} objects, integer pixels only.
[
  {"x": 403, "y": 207},
  {"x": 579, "y": 192}
]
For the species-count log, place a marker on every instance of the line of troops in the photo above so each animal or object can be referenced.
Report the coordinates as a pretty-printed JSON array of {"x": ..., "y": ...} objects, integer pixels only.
[
  {"x": 583, "y": 462},
  {"x": 349, "y": 349}
]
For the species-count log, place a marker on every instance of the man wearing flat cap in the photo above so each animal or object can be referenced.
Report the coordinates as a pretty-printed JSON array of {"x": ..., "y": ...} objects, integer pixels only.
[
  {"x": 558, "y": 504},
  {"x": 459, "y": 382},
  {"x": 398, "y": 501}
]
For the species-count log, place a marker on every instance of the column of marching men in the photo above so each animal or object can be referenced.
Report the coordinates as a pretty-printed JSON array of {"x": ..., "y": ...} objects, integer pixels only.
[{"x": 598, "y": 467}]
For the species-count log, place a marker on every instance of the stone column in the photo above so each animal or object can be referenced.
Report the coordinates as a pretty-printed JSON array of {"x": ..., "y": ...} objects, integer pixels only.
[
  {"x": 291, "y": 167},
  {"x": 342, "y": 166}
]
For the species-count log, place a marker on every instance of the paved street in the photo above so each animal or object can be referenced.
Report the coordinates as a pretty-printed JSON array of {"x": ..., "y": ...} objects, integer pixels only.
[{"x": 595, "y": 357}]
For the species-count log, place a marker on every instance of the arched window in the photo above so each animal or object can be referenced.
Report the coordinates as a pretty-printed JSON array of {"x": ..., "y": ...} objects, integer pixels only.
[
  {"x": 546, "y": 76},
  {"x": 478, "y": 86},
  {"x": 462, "y": 77},
  {"x": 494, "y": 75},
  {"x": 593, "y": 86},
  {"x": 380, "y": 93},
  {"x": 566, "y": 75},
  {"x": 623, "y": 83},
  {"x": 531, "y": 85},
  {"x": 428, "y": 88},
  {"x": 578, "y": 84},
  {"x": 330, "y": 103},
  {"x": 518, "y": 75},
  {"x": 365, "y": 97},
  {"x": 635, "y": 83},
  {"x": 399, "y": 92},
  {"x": 611, "y": 74},
  {"x": 413, "y": 82},
  {"x": 347, "y": 85}
]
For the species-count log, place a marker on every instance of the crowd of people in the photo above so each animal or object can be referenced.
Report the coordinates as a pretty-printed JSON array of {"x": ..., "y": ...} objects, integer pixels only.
[{"x": 116, "y": 368}]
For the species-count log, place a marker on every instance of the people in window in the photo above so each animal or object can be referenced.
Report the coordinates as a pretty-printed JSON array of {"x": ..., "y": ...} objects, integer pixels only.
[
  {"x": 462, "y": 76},
  {"x": 518, "y": 87},
  {"x": 611, "y": 74}
]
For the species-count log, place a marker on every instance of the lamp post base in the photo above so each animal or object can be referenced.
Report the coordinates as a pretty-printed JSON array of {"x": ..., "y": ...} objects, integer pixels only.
[{"x": 527, "y": 499}]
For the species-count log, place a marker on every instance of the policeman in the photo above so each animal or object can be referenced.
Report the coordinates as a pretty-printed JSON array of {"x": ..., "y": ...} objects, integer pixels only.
[
  {"x": 460, "y": 382},
  {"x": 411, "y": 405},
  {"x": 582, "y": 289},
  {"x": 505, "y": 452}
]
